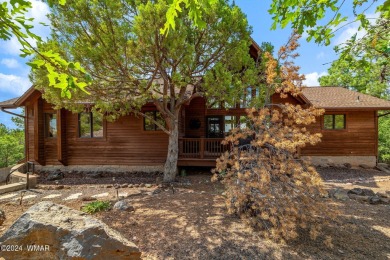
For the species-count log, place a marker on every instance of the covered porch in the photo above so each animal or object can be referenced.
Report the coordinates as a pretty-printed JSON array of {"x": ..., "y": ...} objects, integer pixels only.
[{"x": 200, "y": 151}]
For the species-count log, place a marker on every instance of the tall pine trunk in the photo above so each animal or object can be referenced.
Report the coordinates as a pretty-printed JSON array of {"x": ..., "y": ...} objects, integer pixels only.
[{"x": 170, "y": 168}]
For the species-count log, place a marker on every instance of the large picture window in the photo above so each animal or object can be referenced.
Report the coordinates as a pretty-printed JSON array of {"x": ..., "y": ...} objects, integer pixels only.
[
  {"x": 149, "y": 125},
  {"x": 50, "y": 125},
  {"x": 90, "y": 125},
  {"x": 334, "y": 122}
]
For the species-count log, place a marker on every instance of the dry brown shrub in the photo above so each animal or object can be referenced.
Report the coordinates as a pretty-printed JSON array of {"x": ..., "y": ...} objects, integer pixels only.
[{"x": 268, "y": 185}]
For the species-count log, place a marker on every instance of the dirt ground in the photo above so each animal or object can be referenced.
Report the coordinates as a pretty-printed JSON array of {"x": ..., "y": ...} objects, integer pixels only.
[{"x": 192, "y": 222}]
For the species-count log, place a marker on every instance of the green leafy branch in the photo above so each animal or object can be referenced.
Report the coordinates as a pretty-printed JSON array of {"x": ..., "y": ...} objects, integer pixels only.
[{"x": 13, "y": 22}]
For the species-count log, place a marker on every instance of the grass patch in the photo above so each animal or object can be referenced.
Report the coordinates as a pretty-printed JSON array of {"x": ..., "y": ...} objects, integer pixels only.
[{"x": 96, "y": 206}]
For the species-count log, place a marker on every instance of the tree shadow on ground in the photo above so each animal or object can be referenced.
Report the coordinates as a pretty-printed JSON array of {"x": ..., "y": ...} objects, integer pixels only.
[{"x": 195, "y": 225}]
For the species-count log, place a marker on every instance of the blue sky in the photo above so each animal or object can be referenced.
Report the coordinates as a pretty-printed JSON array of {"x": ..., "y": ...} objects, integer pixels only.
[{"x": 314, "y": 59}]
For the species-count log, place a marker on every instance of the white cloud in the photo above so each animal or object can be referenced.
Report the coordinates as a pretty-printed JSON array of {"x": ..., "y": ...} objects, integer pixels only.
[
  {"x": 353, "y": 28},
  {"x": 320, "y": 55},
  {"x": 14, "y": 84},
  {"x": 39, "y": 12},
  {"x": 10, "y": 63},
  {"x": 312, "y": 78}
]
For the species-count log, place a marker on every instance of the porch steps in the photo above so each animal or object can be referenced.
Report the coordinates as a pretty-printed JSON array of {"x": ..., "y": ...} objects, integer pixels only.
[{"x": 12, "y": 187}]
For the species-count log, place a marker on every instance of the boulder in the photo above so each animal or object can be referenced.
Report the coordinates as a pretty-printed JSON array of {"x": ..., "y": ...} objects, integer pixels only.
[
  {"x": 54, "y": 176},
  {"x": 123, "y": 205},
  {"x": 65, "y": 233}
]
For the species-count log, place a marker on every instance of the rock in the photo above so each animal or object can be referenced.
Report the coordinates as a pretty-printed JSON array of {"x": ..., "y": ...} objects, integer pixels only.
[
  {"x": 157, "y": 191},
  {"x": 131, "y": 186},
  {"x": 375, "y": 200},
  {"x": 382, "y": 195},
  {"x": 142, "y": 185},
  {"x": 356, "y": 191},
  {"x": 361, "y": 192},
  {"x": 109, "y": 186},
  {"x": 340, "y": 194},
  {"x": 136, "y": 185},
  {"x": 385, "y": 200},
  {"x": 2, "y": 217},
  {"x": 159, "y": 180},
  {"x": 59, "y": 187},
  {"x": 54, "y": 176},
  {"x": 125, "y": 185},
  {"x": 87, "y": 198},
  {"x": 94, "y": 175},
  {"x": 148, "y": 185},
  {"x": 359, "y": 198},
  {"x": 348, "y": 165},
  {"x": 368, "y": 192},
  {"x": 123, "y": 205},
  {"x": 67, "y": 234},
  {"x": 364, "y": 166}
]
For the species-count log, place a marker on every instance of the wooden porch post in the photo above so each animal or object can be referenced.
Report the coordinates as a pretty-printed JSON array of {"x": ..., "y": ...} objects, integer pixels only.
[{"x": 201, "y": 147}]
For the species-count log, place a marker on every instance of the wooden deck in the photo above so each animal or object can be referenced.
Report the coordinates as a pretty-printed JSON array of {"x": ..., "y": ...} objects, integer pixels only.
[{"x": 200, "y": 151}]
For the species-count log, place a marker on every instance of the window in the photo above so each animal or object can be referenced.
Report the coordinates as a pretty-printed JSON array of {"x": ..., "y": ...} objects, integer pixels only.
[
  {"x": 334, "y": 122},
  {"x": 50, "y": 125},
  {"x": 230, "y": 123},
  {"x": 149, "y": 125},
  {"x": 90, "y": 125}
]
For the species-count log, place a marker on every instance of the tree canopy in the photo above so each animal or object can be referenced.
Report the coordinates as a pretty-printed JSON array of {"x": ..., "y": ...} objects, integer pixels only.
[{"x": 131, "y": 63}]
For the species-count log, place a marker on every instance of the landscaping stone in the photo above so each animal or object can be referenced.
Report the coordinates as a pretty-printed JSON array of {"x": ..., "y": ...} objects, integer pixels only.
[
  {"x": 382, "y": 195},
  {"x": 2, "y": 217},
  {"x": 94, "y": 175},
  {"x": 123, "y": 205},
  {"x": 361, "y": 192},
  {"x": 359, "y": 198},
  {"x": 59, "y": 187},
  {"x": 338, "y": 194},
  {"x": 348, "y": 165},
  {"x": 148, "y": 185},
  {"x": 364, "y": 166},
  {"x": 125, "y": 185},
  {"x": 88, "y": 198},
  {"x": 67, "y": 234},
  {"x": 375, "y": 200},
  {"x": 142, "y": 185},
  {"x": 54, "y": 176}
]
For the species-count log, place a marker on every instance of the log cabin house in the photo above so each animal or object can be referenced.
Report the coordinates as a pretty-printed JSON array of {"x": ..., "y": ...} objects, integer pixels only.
[{"x": 60, "y": 137}]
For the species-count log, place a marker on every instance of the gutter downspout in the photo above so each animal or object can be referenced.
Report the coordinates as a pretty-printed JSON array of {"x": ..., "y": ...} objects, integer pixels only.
[
  {"x": 11, "y": 113},
  {"x": 25, "y": 129}
]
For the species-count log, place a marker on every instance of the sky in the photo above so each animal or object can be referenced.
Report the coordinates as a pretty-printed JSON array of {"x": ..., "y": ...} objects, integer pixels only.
[{"x": 314, "y": 59}]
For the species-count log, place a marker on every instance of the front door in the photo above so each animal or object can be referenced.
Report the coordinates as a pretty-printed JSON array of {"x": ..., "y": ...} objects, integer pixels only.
[{"x": 215, "y": 127}]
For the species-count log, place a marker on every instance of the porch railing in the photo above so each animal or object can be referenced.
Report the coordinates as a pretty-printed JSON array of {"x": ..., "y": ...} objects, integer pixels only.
[{"x": 201, "y": 148}]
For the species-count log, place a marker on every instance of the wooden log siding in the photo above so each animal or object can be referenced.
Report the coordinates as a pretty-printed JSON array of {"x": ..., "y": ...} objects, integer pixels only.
[
  {"x": 61, "y": 137},
  {"x": 125, "y": 143},
  {"x": 39, "y": 146},
  {"x": 359, "y": 138}
]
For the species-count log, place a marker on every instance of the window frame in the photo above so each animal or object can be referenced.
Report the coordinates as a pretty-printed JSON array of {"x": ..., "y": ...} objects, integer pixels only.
[
  {"x": 45, "y": 124},
  {"x": 91, "y": 137},
  {"x": 334, "y": 122},
  {"x": 156, "y": 128}
]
